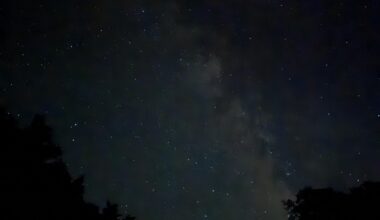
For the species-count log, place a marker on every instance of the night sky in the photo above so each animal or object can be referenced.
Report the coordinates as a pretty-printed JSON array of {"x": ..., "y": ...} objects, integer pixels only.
[{"x": 182, "y": 110}]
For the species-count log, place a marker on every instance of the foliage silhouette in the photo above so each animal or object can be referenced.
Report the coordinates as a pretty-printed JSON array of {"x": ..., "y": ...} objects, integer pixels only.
[
  {"x": 360, "y": 203},
  {"x": 36, "y": 184}
]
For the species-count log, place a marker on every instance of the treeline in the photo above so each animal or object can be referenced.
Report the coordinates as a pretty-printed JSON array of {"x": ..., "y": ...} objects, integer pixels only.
[
  {"x": 36, "y": 185},
  {"x": 360, "y": 203},
  {"x": 35, "y": 182}
]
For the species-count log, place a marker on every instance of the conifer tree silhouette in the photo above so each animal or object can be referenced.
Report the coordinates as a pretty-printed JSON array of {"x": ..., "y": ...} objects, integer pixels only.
[{"x": 36, "y": 184}]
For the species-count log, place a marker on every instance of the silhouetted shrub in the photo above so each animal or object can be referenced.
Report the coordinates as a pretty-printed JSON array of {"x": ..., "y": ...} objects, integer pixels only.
[{"x": 361, "y": 203}]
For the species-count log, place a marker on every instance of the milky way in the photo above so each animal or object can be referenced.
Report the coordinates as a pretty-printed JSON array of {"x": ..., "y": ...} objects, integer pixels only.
[{"x": 190, "y": 110}]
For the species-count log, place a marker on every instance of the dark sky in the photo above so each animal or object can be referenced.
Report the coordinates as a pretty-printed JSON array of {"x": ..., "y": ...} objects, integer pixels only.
[{"x": 182, "y": 110}]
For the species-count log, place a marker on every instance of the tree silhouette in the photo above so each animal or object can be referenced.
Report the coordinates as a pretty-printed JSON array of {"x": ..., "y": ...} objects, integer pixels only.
[
  {"x": 360, "y": 203},
  {"x": 35, "y": 181}
]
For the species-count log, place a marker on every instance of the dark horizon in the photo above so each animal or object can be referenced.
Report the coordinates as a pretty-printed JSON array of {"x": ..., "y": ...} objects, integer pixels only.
[
  {"x": 199, "y": 110},
  {"x": 34, "y": 173}
]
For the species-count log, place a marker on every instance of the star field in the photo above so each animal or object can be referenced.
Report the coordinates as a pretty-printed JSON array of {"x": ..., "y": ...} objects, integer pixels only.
[{"x": 200, "y": 110}]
